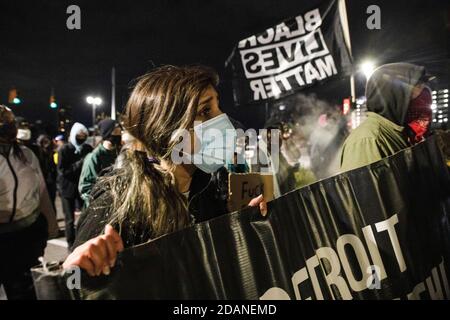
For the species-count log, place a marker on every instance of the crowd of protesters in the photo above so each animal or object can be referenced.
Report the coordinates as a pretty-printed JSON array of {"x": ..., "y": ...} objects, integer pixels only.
[{"x": 131, "y": 190}]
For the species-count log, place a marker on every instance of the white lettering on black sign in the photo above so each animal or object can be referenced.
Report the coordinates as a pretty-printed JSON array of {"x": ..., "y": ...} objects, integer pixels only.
[{"x": 286, "y": 57}]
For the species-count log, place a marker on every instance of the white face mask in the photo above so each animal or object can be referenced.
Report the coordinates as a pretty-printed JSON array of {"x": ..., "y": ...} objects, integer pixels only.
[
  {"x": 217, "y": 138},
  {"x": 24, "y": 134}
]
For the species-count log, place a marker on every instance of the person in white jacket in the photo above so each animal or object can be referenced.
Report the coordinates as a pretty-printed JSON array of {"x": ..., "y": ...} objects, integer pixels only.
[{"x": 27, "y": 217}]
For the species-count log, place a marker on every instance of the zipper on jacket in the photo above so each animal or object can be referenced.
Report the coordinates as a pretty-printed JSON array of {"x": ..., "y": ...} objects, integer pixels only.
[
  {"x": 16, "y": 184},
  {"x": 197, "y": 194}
]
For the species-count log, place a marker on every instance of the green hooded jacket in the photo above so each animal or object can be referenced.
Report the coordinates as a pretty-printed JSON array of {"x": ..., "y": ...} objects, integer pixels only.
[
  {"x": 93, "y": 165},
  {"x": 383, "y": 133}
]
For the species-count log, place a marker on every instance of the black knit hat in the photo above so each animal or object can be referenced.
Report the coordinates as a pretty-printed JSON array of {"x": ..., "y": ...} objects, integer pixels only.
[{"x": 106, "y": 127}]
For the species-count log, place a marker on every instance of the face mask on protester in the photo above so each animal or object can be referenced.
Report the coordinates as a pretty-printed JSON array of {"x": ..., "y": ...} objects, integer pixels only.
[
  {"x": 24, "y": 134},
  {"x": 217, "y": 138},
  {"x": 420, "y": 128},
  {"x": 8, "y": 131},
  {"x": 80, "y": 141},
  {"x": 116, "y": 140},
  {"x": 419, "y": 114}
]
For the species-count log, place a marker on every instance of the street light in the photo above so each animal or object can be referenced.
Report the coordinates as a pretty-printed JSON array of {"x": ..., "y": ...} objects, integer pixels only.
[
  {"x": 367, "y": 68},
  {"x": 94, "y": 101}
]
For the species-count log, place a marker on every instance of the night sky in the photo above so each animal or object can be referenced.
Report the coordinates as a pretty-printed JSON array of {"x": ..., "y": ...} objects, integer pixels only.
[{"x": 38, "y": 52}]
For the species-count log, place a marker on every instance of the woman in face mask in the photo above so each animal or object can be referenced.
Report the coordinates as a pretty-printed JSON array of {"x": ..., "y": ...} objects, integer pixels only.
[
  {"x": 27, "y": 217},
  {"x": 70, "y": 162},
  {"x": 155, "y": 191}
]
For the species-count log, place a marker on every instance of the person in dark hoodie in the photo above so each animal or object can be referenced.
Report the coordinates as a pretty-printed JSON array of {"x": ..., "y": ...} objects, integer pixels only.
[
  {"x": 103, "y": 157},
  {"x": 48, "y": 166},
  {"x": 152, "y": 193},
  {"x": 399, "y": 105},
  {"x": 70, "y": 162}
]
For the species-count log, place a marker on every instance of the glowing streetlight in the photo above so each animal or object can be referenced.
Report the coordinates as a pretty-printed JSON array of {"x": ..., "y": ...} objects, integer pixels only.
[
  {"x": 94, "y": 101},
  {"x": 367, "y": 68}
]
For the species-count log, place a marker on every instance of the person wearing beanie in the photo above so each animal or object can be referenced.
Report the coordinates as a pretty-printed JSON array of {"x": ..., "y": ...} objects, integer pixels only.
[
  {"x": 103, "y": 157},
  {"x": 399, "y": 105}
]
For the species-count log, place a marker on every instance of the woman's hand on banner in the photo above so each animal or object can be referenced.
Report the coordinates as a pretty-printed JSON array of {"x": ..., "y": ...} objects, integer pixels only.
[
  {"x": 97, "y": 255},
  {"x": 259, "y": 201}
]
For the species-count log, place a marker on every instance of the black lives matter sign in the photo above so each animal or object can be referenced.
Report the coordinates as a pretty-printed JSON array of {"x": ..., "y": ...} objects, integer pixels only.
[{"x": 294, "y": 54}]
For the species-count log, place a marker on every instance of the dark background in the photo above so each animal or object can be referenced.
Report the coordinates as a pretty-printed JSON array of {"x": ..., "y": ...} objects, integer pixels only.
[{"x": 38, "y": 52}]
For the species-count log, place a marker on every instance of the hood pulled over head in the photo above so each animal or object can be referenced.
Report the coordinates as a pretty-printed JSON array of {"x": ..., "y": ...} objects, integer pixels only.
[
  {"x": 77, "y": 128},
  {"x": 388, "y": 90}
]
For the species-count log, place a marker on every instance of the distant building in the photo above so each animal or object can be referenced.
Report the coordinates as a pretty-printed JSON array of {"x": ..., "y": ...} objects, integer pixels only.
[{"x": 440, "y": 108}]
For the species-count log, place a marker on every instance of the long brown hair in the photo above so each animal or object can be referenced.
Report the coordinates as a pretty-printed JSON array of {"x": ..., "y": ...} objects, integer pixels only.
[{"x": 163, "y": 100}]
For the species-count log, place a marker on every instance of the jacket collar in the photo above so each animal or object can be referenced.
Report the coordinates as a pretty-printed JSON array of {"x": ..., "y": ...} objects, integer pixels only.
[{"x": 200, "y": 181}]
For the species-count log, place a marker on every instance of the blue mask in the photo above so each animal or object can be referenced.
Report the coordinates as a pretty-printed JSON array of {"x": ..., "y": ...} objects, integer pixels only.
[{"x": 217, "y": 138}]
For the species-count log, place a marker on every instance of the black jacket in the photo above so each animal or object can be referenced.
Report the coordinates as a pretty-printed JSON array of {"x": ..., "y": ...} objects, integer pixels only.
[
  {"x": 48, "y": 166},
  {"x": 208, "y": 195},
  {"x": 206, "y": 201},
  {"x": 69, "y": 169}
]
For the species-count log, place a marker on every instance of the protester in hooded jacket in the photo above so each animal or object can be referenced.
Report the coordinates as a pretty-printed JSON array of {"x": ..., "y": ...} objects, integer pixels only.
[
  {"x": 399, "y": 105},
  {"x": 70, "y": 162},
  {"x": 27, "y": 218},
  {"x": 103, "y": 157},
  {"x": 153, "y": 193}
]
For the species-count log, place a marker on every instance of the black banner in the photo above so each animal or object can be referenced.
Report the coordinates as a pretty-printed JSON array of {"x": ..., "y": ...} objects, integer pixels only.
[
  {"x": 295, "y": 54},
  {"x": 377, "y": 232}
]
